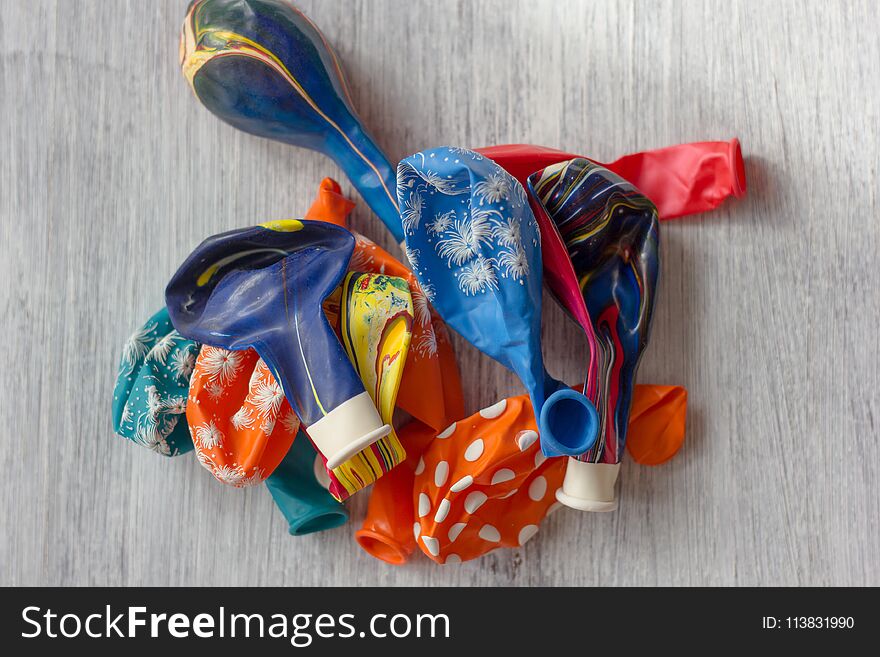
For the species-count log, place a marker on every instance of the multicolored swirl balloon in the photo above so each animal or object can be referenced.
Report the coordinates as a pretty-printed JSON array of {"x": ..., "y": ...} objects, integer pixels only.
[
  {"x": 611, "y": 232},
  {"x": 375, "y": 321},
  {"x": 263, "y": 287},
  {"x": 475, "y": 247},
  {"x": 263, "y": 67}
]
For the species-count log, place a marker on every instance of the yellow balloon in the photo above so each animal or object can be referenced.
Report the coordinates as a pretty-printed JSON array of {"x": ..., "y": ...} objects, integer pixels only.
[{"x": 376, "y": 317}]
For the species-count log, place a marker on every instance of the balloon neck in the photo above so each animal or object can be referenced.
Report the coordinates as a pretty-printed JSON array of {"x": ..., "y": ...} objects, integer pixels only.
[
  {"x": 382, "y": 546},
  {"x": 370, "y": 172},
  {"x": 330, "y": 204},
  {"x": 349, "y": 428},
  {"x": 589, "y": 486},
  {"x": 568, "y": 424},
  {"x": 317, "y": 521}
]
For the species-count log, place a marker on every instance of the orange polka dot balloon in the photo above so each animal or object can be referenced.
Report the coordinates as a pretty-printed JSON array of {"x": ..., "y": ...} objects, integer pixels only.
[{"x": 483, "y": 484}]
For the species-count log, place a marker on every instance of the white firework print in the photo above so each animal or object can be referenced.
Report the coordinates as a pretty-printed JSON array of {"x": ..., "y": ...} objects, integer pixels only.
[
  {"x": 426, "y": 343},
  {"x": 465, "y": 151},
  {"x": 438, "y": 182},
  {"x": 183, "y": 361},
  {"x": 266, "y": 396},
  {"x": 136, "y": 347},
  {"x": 421, "y": 306},
  {"x": 290, "y": 422},
  {"x": 463, "y": 242},
  {"x": 208, "y": 435},
  {"x": 364, "y": 241},
  {"x": 127, "y": 415},
  {"x": 360, "y": 261},
  {"x": 408, "y": 176},
  {"x": 219, "y": 364},
  {"x": 256, "y": 375},
  {"x": 481, "y": 239},
  {"x": 514, "y": 262},
  {"x": 243, "y": 419},
  {"x": 267, "y": 426},
  {"x": 411, "y": 215},
  {"x": 215, "y": 390},
  {"x": 154, "y": 402},
  {"x": 412, "y": 255},
  {"x": 233, "y": 475},
  {"x": 150, "y": 438},
  {"x": 441, "y": 222},
  {"x": 175, "y": 405},
  {"x": 494, "y": 188},
  {"x": 507, "y": 232},
  {"x": 428, "y": 290},
  {"x": 163, "y": 347},
  {"x": 477, "y": 276},
  {"x": 205, "y": 460},
  {"x": 257, "y": 477},
  {"x": 520, "y": 199},
  {"x": 169, "y": 422}
]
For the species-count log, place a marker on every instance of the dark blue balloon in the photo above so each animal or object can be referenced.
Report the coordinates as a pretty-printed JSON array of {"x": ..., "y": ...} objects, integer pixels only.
[
  {"x": 263, "y": 288},
  {"x": 263, "y": 67}
]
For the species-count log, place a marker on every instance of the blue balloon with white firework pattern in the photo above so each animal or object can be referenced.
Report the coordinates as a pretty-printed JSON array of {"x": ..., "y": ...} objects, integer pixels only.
[{"x": 475, "y": 247}]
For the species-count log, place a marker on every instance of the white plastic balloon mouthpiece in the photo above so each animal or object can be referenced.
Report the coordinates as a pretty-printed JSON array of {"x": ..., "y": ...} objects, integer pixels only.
[
  {"x": 589, "y": 486},
  {"x": 347, "y": 429}
]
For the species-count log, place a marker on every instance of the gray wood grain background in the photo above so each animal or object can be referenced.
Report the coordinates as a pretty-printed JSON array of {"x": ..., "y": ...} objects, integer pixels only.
[{"x": 110, "y": 172}]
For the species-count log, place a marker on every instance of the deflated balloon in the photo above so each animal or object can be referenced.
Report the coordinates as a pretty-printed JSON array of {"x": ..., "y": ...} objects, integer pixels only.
[
  {"x": 263, "y": 67},
  {"x": 475, "y": 247},
  {"x": 305, "y": 503},
  {"x": 656, "y": 423},
  {"x": 241, "y": 424},
  {"x": 262, "y": 288},
  {"x": 610, "y": 231},
  {"x": 484, "y": 484},
  {"x": 392, "y": 527},
  {"x": 430, "y": 390},
  {"x": 149, "y": 399},
  {"x": 680, "y": 180},
  {"x": 375, "y": 320}
]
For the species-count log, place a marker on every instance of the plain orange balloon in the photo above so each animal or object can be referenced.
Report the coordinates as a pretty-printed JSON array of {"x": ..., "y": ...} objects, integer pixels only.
[{"x": 656, "y": 423}]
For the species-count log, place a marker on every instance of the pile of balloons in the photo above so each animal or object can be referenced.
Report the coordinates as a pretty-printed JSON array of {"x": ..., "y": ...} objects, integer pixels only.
[{"x": 300, "y": 354}]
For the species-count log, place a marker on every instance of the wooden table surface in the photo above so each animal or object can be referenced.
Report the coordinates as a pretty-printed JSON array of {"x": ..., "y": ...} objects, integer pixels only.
[{"x": 111, "y": 172}]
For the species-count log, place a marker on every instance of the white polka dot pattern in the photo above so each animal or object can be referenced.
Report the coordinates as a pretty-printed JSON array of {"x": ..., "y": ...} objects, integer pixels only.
[
  {"x": 526, "y": 534},
  {"x": 424, "y": 505},
  {"x": 432, "y": 544},
  {"x": 502, "y": 475},
  {"x": 490, "y": 533},
  {"x": 495, "y": 410},
  {"x": 455, "y": 530},
  {"x": 525, "y": 439},
  {"x": 442, "y": 511},
  {"x": 474, "y": 501},
  {"x": 448, "y": 431},
  {"x": 461, "y": 484},
  {"x": 537, "y": 489},
  {"x": 474, "y": 450}
]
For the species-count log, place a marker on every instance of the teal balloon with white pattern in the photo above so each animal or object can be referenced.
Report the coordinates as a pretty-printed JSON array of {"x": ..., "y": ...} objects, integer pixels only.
[{"x": 149, "y": 400}]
